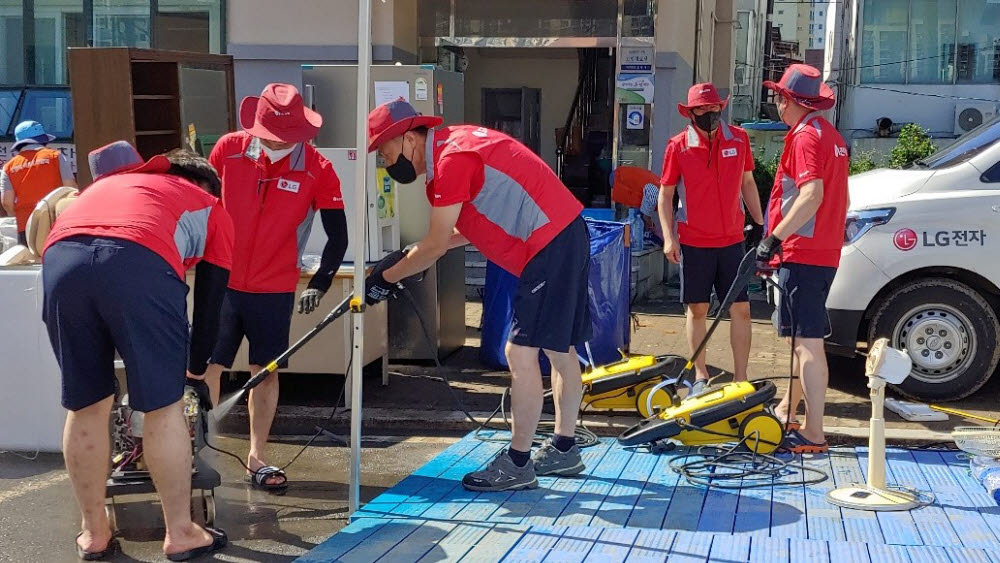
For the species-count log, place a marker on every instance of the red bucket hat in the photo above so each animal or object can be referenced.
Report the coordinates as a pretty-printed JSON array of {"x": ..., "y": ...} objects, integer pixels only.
[
  {"x": 700, "y": 95},
  {"x": 120, "y": 157},
  {"x": 804, "y": 85},
  {"x": 392, "y": 119},
  {"x": 279, "y": 115}
]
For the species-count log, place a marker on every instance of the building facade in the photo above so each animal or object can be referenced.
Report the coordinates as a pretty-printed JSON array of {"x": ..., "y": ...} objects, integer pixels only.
[{"x": 934, "y": 63}]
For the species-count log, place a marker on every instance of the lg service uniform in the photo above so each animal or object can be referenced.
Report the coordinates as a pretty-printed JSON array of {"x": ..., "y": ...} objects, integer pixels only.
[
  {"x": 273, "y": 206},
  {"x": 518, "y": 213},
  {"x": 814, "y": 150},
  {"x": 115, "y": 262},
  {"x": 710, "y": 214}
]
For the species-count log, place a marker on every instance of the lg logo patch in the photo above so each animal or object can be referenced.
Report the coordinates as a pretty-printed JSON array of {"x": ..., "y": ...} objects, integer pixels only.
[{"x": 905, "y": 239}]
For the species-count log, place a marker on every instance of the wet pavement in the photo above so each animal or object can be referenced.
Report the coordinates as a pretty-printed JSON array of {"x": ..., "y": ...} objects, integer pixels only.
[{"x": 39, "y": 519}]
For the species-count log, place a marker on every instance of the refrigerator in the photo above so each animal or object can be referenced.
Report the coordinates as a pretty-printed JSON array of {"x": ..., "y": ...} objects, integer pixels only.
[{"x": 440, "y": 295}]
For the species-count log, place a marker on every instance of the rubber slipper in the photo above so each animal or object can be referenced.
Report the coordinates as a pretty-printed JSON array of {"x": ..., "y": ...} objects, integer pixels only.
[
  {"x": 258, "y": 479},
  {"x": 790, "y": 426},
  {"x": 797, "y": 444},
  {"x": 219, "y": 541},
  {"x": 95, "y": 555}
]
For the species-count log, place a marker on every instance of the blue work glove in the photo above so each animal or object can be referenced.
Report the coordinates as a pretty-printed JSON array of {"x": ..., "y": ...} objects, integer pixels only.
[{"x": 376, "y": 288}]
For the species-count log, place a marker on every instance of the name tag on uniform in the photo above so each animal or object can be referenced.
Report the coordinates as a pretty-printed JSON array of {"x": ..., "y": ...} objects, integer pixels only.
[
  {"x": 288, "y": 186},
  {"x": 727, "y": 153}
]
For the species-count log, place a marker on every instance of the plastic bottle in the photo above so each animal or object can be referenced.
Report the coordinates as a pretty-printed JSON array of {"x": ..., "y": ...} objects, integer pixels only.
[{"x": 987, "y": 471}]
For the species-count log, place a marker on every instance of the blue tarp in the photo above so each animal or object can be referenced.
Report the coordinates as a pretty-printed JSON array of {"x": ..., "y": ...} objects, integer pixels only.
[{"x": 608, "y": 287}]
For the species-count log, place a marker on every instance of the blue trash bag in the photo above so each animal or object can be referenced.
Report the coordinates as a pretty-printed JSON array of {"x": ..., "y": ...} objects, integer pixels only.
[{"x": 608, "y": 287}]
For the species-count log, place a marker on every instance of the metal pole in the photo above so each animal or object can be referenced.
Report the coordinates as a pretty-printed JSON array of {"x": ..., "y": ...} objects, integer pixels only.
[{"x": 360, "y": 239}]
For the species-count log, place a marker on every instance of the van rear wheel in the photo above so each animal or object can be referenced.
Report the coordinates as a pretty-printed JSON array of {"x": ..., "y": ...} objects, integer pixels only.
[{"x": 950, "y": 332}]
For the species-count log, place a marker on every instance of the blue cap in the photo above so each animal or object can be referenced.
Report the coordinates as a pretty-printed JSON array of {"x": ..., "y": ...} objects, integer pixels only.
[{"x": 30, "y": 132}]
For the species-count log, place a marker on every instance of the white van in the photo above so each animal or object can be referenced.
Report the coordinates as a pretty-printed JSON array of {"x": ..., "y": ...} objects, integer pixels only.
[{"x": 921, "y": 266}]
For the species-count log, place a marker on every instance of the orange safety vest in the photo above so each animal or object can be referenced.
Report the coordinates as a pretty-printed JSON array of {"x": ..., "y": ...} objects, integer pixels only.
[
  {"x": 630, "y": 182},
  {"x": 33, "y": 174}
]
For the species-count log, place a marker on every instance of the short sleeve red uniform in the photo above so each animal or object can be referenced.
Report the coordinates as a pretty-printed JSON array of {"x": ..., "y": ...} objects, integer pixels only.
[
  {"x": 272, "y": 206},
  {"x": 709, "y": 180},
  {"x": 168, "y": 215},
  {"x": 513, "y": 204},
  {"x": 814, "y": 150}
]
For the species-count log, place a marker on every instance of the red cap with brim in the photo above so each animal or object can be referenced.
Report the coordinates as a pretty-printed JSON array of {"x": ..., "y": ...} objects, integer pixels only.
[
  {"x": 279, "y": 115},
  {"x": 392, "y": 119},
  {"x": 701, "y": 95},
  {"x": 804, "y": 85},
  {"x": 121, "y": 158}
]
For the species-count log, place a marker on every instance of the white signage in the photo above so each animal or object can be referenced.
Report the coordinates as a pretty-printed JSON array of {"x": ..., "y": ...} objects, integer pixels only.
[
  {"x": 637, "y": 60},
  {"x": 391, "y": 91},
  {"x": 634, "y": 89},
  {"x": 420, "y": 89},
  {"x": 635, "y": 117}
]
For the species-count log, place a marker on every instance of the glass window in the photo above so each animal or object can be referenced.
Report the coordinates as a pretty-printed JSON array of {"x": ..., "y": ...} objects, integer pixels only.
[
  {"x": 992, "y": 175},
  {"x": 978, "y": 41},
  {"x": 819, "y": 26},
  {"x": 11, "y": 42},
  {"x": 189, "y": 25},
  {"x": 883, "y": 41},
  {"x": 58, "y": 24},
  {"x": 966, "y": 146},
  {"x": 931, "y": 50},
  {"x": 821, "y": 13},
  {"x": 51, "y": 107},
  {"x": 121, "y": 23},
  {"x": 8, "y": 104},
  {"x": 781, "y": 12}
]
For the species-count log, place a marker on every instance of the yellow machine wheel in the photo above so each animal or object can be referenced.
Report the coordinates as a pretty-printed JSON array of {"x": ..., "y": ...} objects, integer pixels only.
[
  {"x": 763, "y": 432},
  {"x": 661, "y": 397}
]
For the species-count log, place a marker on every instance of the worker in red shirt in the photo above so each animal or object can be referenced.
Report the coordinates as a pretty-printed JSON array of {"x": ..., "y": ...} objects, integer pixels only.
[
  {"x": 806, "y": 216},
  {"x": 32, "y": 173},
  {"x": 710, "y": 167},
  {"x": 273, "y": 184},
  {"x": 488, "y": 189},
  {"x": 113, "y": 277}
]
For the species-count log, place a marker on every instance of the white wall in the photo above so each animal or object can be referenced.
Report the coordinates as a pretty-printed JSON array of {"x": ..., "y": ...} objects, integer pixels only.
[
  {"x": 864, "y": 105},
  {"x": 555, "y": 71}
]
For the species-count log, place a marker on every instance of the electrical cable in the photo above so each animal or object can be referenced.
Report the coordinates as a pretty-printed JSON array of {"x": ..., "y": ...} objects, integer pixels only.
[{"x": 584, "y": 437}]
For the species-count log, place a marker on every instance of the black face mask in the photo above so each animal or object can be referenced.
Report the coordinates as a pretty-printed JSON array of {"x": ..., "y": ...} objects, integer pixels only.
[
  {"x": 402, "y": 171},
  {"x": 708, "y": 121}
]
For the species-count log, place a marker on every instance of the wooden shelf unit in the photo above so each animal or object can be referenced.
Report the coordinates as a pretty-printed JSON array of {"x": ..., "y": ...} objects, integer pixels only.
[{"x": 136, "y": 95}]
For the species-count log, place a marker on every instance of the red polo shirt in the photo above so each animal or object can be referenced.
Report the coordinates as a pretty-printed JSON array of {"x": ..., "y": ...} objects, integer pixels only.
[
  {"x": 513, "y": 205},
  {"x": 272, "y": 206},
  {"x": 814, "y": 150},
  {"x": 709, "y": 185},
  {"x": 168, "y": 215}
]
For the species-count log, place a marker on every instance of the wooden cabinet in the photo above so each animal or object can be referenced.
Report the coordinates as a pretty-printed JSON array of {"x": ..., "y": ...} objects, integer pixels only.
[{"x": 156, "y": 100}]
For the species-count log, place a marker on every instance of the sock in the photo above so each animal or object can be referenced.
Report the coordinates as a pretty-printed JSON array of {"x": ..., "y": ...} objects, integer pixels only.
[
  {"x": 519, "y": 458},
  {"x": 563, "y": 443}
]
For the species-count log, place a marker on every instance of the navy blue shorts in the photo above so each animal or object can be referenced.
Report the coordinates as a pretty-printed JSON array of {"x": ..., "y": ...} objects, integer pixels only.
[
  {"x": 705, "y": 268},
  {"x": 807, "y": 287},
  {"x": 263, "y": 318},
  {"x": 552, "y": 303},
  {"x": 103, "y": 295}
]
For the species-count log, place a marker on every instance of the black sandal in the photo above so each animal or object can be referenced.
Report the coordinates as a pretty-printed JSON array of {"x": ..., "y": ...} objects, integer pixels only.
[
  {"x": 219, "y": 541},
  {"x": 258, "y": 479},
  {"x": 95, "y": 555}
]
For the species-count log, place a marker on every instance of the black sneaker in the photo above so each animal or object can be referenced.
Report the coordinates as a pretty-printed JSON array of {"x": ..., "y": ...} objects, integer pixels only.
[{"x": 501, "y": 475}]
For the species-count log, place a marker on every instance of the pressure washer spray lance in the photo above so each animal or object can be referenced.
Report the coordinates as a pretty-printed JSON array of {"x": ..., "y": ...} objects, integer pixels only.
[{"x": 349, "y": 303}]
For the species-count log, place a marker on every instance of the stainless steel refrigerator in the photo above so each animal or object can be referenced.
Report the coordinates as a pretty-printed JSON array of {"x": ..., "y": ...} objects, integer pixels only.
[{"x": 440, "y": 296}]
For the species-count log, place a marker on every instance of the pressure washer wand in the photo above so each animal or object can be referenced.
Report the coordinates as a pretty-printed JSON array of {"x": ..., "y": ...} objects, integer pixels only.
[
  {"x": 272, "y": 367},
  {"x": 746, "y": 271}
]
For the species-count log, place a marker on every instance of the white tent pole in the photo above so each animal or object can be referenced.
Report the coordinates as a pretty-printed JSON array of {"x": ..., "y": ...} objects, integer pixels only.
[{"x": 359, "y": 239}]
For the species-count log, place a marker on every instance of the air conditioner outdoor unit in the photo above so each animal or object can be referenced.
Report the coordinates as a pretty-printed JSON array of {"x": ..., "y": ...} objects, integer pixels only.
[{"x": 969, "y": 115}]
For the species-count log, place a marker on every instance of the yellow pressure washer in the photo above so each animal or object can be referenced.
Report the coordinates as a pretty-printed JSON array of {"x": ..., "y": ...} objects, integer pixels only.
[{"x": 730, "y": 412}]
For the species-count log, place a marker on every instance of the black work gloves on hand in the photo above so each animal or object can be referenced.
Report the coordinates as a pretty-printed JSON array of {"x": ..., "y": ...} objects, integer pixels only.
[
  {"x": 376, "y": 288},
  {"x": 309, "y": 300},
  {"x": 754, "y": 233},
  {"x": 766, "y": 250}
]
